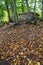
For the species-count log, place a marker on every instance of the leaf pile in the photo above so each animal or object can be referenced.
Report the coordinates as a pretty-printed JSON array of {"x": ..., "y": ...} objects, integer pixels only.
[{"x": 22, "y": 45}]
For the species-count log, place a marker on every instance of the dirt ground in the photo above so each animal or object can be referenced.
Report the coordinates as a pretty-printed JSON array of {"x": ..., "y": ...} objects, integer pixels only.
[{"x": 21, "y": 45}]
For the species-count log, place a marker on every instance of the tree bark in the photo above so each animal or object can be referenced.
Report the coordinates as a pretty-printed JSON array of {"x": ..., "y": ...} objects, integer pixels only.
[
  {"x": 7, "y": 8},
  {"x": 42, "y": 9},
  {"x": 28, "y": 13},
  {"x": 15, "y": 13},
  {"x": 35, "y": 11},
  {"x": 22, "y": 6}
]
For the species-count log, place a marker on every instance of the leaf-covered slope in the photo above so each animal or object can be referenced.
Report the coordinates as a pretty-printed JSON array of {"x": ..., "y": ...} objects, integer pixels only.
[{"x": 22, "y": 45}]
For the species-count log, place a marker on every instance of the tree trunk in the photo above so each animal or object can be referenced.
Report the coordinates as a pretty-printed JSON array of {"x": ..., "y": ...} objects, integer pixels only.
[
  {"x": 28, "y": 13},
  {"x": 22, "y": 6},
  {"x": 35, "y": 11},
  {"x": 7, "y": 8},
  {"x": 42, "y": 9},
  {"x": 15, "y": 13}
]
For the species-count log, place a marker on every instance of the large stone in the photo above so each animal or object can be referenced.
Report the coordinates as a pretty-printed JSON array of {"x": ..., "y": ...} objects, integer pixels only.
[{"x": 23, "y": 16}]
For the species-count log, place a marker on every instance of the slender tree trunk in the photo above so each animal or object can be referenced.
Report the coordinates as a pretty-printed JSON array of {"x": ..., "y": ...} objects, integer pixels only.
[
  {"x": 7, "y": 8},
  {"x": 35, "y": 11},
  {"x": 23, "y": 6},
  {"x": 28, "y": 14},
  {"x": 42, "y": 9},
  {"x": 15, "y": 13}
]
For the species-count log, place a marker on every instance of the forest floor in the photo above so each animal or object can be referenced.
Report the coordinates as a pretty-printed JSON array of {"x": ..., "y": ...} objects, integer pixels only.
[{"x": 21, "y": 45}]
